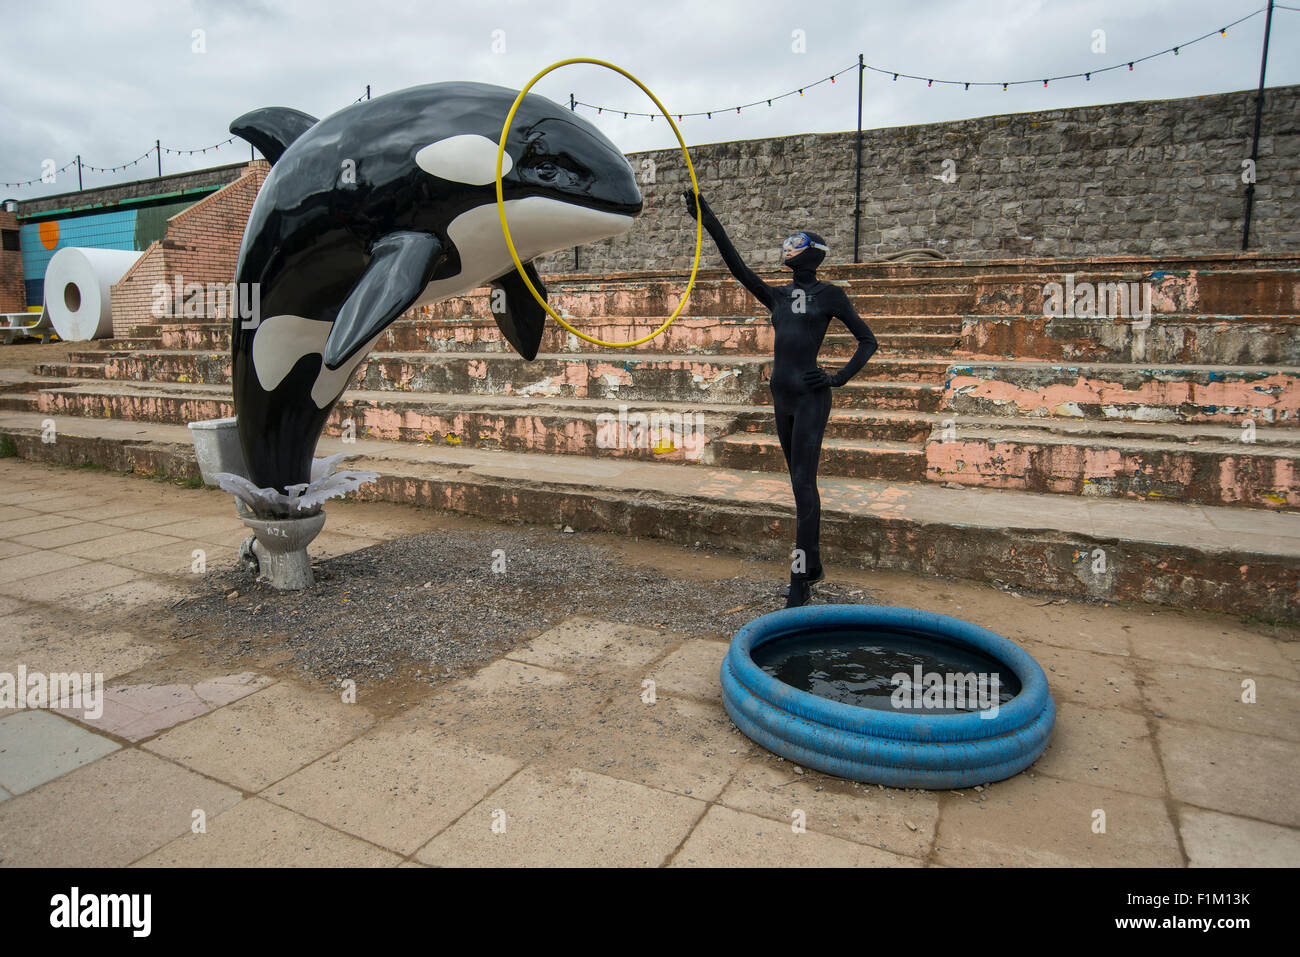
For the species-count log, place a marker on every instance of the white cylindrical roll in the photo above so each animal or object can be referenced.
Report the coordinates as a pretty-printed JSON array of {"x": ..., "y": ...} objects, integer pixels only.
[{"x": 77, "y": 282}]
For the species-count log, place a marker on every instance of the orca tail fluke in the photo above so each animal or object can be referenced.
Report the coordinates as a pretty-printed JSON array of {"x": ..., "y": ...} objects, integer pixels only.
[{"x": 272, "y": 129}]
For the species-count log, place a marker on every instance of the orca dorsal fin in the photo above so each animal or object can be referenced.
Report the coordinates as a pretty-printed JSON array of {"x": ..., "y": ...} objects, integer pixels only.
[{"x": 271, "y": 129}]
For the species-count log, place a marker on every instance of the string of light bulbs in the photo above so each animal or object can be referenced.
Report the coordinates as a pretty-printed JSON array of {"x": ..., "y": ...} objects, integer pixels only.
[
  {"x": 166, "y": 150},
  {"x": 1087, "y": 75},
  {"x": 798, "y": 91},
  {"x": 121, "y": 166}
]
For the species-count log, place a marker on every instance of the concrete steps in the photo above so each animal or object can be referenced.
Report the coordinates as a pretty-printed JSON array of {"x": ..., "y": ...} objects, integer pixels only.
[
  {"x": 731, "y": 335},
  {"x": 937, "y": 403},
  {"x": 915, "y": 392},
  {"x": 1242, "y": 561},
  {"x": 873, "y": 442},
  {"x": 637, "y": 376},
  {"x": 1126, "y": 391},
  {"x": 856, "y": 458},
  {"x": 1171, "y": 338},
  {"x": 1194, "y": 290},
  {"x": 1207, "y": 463},
  {"x": 1205, "y": 284},
  {"x": 19, "y": 401},
  {"x": 1206, "y": 470},
  {"x": 968, "y": 268}
]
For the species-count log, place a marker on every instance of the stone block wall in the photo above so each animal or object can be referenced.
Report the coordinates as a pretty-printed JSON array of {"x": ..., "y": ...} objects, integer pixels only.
[{"x": 1151, "y": 177}]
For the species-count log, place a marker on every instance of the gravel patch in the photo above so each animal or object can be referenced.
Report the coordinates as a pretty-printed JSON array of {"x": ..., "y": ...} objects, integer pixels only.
[{"x": 430, "y": 606}]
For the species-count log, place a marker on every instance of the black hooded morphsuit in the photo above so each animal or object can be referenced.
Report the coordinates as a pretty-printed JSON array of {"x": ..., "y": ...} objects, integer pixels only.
[{"x": 801, "y": 390}]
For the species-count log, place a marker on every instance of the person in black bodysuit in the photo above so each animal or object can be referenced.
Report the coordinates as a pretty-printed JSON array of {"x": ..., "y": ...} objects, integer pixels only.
[{"x": 801, "y": 389}]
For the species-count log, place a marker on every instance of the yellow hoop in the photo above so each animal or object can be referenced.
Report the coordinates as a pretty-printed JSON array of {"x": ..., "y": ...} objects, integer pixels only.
[{"x": 505, "y": 227}]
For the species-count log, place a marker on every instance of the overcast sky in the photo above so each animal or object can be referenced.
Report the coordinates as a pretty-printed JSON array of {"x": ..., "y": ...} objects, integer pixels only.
[{"x": 105, "y": 79}]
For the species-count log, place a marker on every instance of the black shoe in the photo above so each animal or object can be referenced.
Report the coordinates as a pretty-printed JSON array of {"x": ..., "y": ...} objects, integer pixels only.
[
  {"x": 798, "y": 594},
  {"x": 817, "y": 576}
]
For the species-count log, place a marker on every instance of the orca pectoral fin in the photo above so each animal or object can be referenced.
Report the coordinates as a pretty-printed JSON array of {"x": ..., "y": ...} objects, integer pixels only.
[
  {"x": 399, "y": 269},
  {"x": 519, "y": 316},
  {"x": 272, "y": 129}
]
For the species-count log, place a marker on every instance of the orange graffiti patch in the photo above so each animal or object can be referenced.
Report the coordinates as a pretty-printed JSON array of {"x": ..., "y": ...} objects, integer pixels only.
[{"x": 49, "y": 232}]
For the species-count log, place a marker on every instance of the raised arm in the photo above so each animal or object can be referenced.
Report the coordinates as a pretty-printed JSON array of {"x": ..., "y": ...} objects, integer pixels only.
[
  {"x": 846, "y": 314},
  {"x": 744, "y": 275}
]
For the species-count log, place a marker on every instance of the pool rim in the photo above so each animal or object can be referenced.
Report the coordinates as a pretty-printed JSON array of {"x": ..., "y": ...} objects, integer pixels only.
[{"x": 1023, "y": 710}]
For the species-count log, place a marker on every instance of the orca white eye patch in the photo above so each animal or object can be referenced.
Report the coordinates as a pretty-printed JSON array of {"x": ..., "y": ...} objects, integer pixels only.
[{"x": 464, "y": 158}]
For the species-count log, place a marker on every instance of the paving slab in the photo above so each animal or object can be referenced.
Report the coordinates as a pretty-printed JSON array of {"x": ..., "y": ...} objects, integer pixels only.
[
  {"x": 1063, "y": 623},
  {"x": 1215, "y": 647},
  {"x": 568, "y": 818},
  {"x": 1223, "y": 840},
  {"x": 692, "y": 670},
  {"x": 139, "y": 711},
  {"x": 680, "y": 745},
  {"x": 33, "y": 566},
  {"x": 70, "y": 584},
  {"x": 218, "y": 531},
  {"x": 513, "y": 709},
  {"x": 393, "y": 786},
  {"x": 108, "y": 813},
  {"x": 730, "y": 838},
  {"x": 176, "y": 559},
  {"x": 57, "y": 500},
  {"x": 121, "y": 506},
  {"x": 110, "y": 653},
  {"x": 256, "y": 833},
  {"x": 1040, "y": 821},
  {"x": 118, "y": 543},
  {"x": 1207, "y": 696},
  {"x": 66, "y": 535},
  {"x": 12, "y": 549},
  {"x": 42, "y": 522},
  {"x": 150, "y": 519},
  {"x": 1087, "y": 678},
  {"x": 263, "y": 737},
  {"x": 582, "y": 644},
  {"x": 1106, "y": 748},
  {"x": 328, "y": 545},
  {"x": 1232, "y": 772},
  {"x": 37, "y": 746},
  {"x": 889, "y": 819},
  {"x": 135, "y": 592}
]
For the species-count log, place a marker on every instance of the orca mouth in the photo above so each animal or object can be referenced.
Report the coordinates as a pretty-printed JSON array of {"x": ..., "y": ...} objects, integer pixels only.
[
  {"x": 545, "y": 224},
  {"x": 620, "y": 202}
]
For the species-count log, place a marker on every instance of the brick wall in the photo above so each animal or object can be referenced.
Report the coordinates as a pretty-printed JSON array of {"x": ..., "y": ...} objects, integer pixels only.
[
  {"x": 1150, "y": 177},
  {"x": 201, "y": 246},
  {"x": 132, "y": 297},
  {"x": 13, "y": 296}
]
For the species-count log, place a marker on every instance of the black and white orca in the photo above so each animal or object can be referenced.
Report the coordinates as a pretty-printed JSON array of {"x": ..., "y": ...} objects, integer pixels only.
[{"x": 388, "y": 204}]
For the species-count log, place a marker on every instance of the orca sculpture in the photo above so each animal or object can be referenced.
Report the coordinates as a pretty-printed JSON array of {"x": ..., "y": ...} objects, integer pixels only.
[{"x": 388, "y": 204}]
